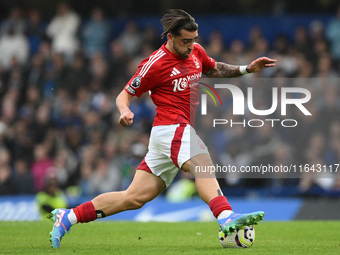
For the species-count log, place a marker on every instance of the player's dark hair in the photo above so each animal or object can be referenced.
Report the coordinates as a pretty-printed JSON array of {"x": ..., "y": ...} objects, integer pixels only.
[{"x": 177, "y": 19}]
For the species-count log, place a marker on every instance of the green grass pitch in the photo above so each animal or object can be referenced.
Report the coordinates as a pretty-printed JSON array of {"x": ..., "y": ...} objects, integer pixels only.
[{"x": 294, "y": 237}]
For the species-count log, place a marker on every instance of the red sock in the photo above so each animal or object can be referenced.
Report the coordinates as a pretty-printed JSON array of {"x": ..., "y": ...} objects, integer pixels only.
[
  {"x": 218, "y": 205},
  {"x": 85, "y": 212}
]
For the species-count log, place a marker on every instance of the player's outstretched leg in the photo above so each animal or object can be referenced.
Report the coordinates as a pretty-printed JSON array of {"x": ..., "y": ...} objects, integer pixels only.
[
  {"x": 107, "y": 204},
  {"x": 61, "y": 225},
  {"x": 237, "y": 220}
]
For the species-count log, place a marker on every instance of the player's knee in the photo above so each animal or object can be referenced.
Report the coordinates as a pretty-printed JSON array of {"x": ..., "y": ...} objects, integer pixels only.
[
  {"x": 137, "y": 204},
  {"x": 133, "y": 202}
]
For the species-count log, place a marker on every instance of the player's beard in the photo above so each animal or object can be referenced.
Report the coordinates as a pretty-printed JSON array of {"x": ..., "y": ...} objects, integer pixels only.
[{"x": 180, "y": 54}]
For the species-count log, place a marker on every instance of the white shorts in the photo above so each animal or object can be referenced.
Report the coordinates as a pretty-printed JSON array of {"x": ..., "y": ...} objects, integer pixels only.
[{"x": 170, "y": 146}]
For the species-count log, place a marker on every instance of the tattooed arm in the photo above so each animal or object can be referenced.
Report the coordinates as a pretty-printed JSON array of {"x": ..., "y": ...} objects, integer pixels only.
[{"x": 223, "y": 70}]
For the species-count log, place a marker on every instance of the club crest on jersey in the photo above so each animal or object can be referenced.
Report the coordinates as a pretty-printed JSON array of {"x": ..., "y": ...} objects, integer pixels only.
[{"x": 197, "y": 63}]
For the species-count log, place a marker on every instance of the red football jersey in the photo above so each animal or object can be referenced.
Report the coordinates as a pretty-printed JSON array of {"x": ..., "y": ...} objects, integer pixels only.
[{"x": 172, "y": 82}]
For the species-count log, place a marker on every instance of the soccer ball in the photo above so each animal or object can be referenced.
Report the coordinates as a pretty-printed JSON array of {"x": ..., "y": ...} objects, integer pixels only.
[{"x": 243, "y": 238}]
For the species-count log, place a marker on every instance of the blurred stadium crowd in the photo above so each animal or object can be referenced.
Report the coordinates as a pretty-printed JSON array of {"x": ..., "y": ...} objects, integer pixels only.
[{"x": 59, "y": 81}]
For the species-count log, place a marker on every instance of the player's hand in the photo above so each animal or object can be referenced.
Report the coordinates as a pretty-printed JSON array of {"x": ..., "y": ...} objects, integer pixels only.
[
  {"x": 260, "y": 63},
  {"x": 126, "y": 118}
]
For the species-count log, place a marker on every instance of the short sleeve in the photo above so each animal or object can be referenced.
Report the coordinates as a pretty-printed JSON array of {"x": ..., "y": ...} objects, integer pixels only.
[
  {"x": 146, "y": 77},
  {"x": 143, "y": 80}
]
